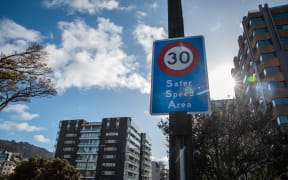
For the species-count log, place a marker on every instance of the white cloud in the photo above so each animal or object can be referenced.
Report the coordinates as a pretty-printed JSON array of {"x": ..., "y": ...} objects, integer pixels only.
[
  {"x": 9, "y": 125},
  {"x": 84, "y": 6},
  {"x": 86, "y": 57},
  {"x": 146, "y": 35},
  {"x": 154, "y": 5},
  {"x": 89, "y": 57},
  {"x": 41, "y": 138},
  {"x": 21, "y": 112},
  {"x": 141, "y": 14},
  {"x": 18, "y": 36}
]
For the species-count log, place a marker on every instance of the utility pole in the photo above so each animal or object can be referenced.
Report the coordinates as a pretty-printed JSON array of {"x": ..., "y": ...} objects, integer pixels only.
[
  {"x": 175, "y": 19},
  {"x": 180, "y": 124}
]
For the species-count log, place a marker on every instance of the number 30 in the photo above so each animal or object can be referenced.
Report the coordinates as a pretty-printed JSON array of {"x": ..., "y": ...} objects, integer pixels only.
[{"x": 184, "y": 57}]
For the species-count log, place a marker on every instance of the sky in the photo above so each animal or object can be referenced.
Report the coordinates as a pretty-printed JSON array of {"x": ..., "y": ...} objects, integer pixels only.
[{"x": 100, "y": 52}]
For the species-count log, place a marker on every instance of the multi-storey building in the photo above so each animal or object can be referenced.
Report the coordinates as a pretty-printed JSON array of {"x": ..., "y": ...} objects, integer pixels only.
[
  {"x": 68, "y": 138},
  {"x": 261, "y": 67},
  {"x": 112, "y": 149},
  {"x": 120, "y": 149},
  {"x": 159, "y": 172},
  {"x": 145, "y": 169}
]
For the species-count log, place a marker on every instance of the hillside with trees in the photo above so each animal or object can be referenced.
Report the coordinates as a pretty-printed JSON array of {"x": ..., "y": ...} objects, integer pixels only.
[{"x": 27, "y": 150}]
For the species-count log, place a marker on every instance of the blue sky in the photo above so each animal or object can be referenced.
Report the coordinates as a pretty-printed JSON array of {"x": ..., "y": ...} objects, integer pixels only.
[{"x": 101, "y": 52}]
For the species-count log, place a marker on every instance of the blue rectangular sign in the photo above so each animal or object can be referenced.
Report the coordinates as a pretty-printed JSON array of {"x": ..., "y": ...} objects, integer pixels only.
[{"x": 179, "y": 76}]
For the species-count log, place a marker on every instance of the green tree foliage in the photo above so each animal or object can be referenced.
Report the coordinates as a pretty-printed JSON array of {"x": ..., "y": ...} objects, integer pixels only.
[
  {"x": 234, "y": 143},
  {"x": 24, "y": 75},
  {"x": 45, "y": 169}
]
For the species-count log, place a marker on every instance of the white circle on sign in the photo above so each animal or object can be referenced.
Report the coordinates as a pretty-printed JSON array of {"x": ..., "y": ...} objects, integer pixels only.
[{"x": 178, "y": 58}]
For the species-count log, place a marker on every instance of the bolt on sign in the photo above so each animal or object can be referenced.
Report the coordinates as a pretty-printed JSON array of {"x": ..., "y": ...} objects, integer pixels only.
[{"x": 179, "y": 76}]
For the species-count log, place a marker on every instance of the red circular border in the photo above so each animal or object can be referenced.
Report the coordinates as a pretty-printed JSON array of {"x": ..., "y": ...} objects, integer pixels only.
[{"x": 192, "y": 66}]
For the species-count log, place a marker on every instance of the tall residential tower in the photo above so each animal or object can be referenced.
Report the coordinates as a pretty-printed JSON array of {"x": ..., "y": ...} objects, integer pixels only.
[{"x": 261, "y": 67}]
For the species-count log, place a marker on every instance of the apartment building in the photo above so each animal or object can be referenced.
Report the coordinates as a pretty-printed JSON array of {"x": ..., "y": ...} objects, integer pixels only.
[
  {"x": 111, "y": 149},
  {"x": 261, "y": 66},
  {"x": 159, "y": 172},
  {"x": 145, "y": 168},
  {"x": 120, "y": 149}
]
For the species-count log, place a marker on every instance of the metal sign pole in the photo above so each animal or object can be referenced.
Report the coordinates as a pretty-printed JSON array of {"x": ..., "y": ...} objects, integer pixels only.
[{"x": 180, "y": 137}]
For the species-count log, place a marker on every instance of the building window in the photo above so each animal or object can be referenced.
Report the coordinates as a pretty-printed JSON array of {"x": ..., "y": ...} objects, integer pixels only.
[
  {"x": 95, "y": 128},
  {"x": 107, "y": 125},
  {"x": 282, "y": 120},
  {"x": 94, "y": 142},
  {"x": 109, "y": 156},
  {"x": 265, "y": 42},
  {"x": 265, "y": 56},
  {"x": 88, "y": 150},
  {"x": 280, "y": 15},
  {"x": 282, "y": 27},
  {"x": 67, "y": 156},
  {"x": 280, "y": 101},
  {"x": 108, "y": 173},
  {"x": 284, "y": 39},
  {"x": 110, "y": 148},
  {"x": 111, "y": 133},
  {"x": 271, "y": 69},
  {"x": 256, "y": 19},
  {"x": 259, "y": 31},
  {"x": 91, "y": 165},
  {"x": 70, "y": 135},
  {"x": 108, "y": 164},
  {"x": 68, "y": 149},
  {"x": 69, "y": 142},
  {"x": 130, "y": 174},
  {"x": 81, "y": 165},
  {"x": 110, "y": 141},
  {"x": 272, "y": 85},
  {"x": 89, "y": 135},
  {"x": 86, "y": 128}
]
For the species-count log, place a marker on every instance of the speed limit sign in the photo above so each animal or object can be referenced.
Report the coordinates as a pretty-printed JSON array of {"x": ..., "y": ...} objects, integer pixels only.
[
  {"x": 179, "y": 76},
  {"x": 178, "y": 58}
]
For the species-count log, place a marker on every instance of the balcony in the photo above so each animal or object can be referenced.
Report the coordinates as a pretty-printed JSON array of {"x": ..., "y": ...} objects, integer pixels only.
[
  {"x": 87, "y": 152},
  {"x": 86, "y": 160},
  {"x": 259, "y": 37},
  {"x": 268, "y": 63},
  {"x": 90, "y": 130},
  {"x": 89, "y": 137},
  {"x": 88, "y": 144},
  {"x": 256, "y": 25}
]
